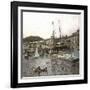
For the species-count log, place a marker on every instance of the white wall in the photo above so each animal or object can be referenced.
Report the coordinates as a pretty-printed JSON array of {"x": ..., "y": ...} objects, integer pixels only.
[{"x": 5, "y": 45}]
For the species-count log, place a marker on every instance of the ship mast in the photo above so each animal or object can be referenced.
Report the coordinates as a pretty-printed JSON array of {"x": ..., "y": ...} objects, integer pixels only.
[
  {"x": 52, "y": 41},
  {"x": 53, "y": 33},
  {"x": 59, "y": 29}
]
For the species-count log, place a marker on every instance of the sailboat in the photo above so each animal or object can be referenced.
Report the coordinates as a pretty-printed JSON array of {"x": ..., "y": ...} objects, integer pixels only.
[{"x": 36, "y": 53}]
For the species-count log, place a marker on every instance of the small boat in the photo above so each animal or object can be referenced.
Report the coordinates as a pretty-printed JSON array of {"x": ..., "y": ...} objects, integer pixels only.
[{"x": 36, "y": 54}]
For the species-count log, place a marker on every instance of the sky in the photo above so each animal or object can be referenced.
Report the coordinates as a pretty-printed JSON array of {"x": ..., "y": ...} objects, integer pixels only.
[{"x": 40, "y": 24}]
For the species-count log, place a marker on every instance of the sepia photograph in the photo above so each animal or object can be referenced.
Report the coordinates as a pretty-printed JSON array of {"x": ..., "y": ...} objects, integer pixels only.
[{"x": 50, "y": 44}]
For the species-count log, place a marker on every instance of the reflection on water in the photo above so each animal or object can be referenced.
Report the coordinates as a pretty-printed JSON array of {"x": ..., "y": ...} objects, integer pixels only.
[{"x": 46, "y": 66}]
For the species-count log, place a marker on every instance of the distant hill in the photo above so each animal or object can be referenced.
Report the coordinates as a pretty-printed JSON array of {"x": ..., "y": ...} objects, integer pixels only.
[{"x": 32, "y": 38}]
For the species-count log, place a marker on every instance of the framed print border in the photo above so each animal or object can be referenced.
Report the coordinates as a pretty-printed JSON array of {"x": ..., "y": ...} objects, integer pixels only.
[{"x": 15, "y": 40}]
